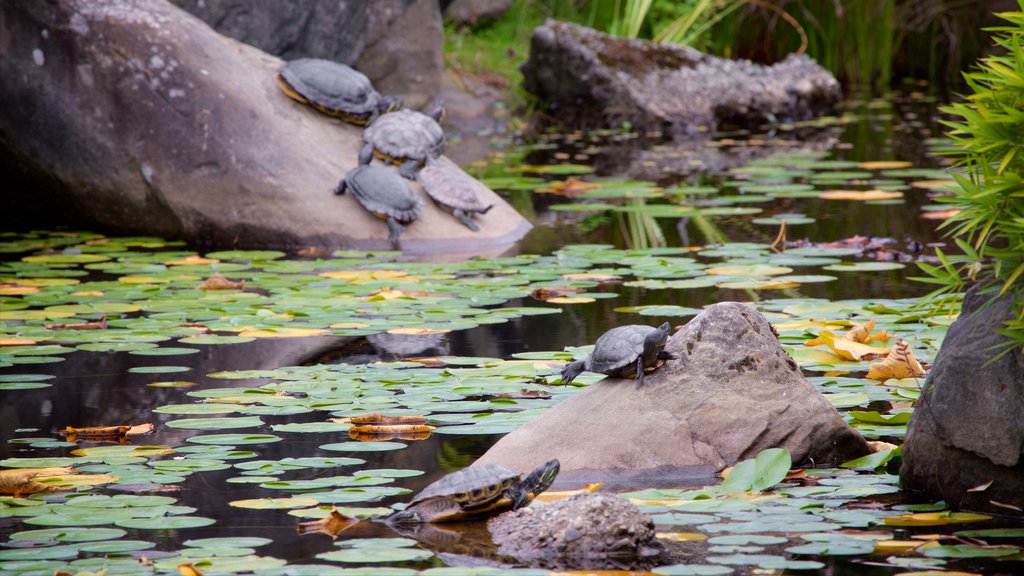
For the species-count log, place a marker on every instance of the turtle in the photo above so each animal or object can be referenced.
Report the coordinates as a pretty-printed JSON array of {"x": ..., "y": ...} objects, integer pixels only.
[
  {"x": 625, "y": 352},
  {"x": 405, "y": 137},
  {"x": 384, "y": 193},
  {"x": 335, "y": 89},
  {"x": 476, "y": 492},
  {"x": 453, "y": 190}
]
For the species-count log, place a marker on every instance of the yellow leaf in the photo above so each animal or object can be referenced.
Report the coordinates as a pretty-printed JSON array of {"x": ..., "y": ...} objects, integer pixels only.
[
  {"x": 898, "y": 546},
  {"x": 570, "y": 300},
  {"x": 88, "y": 293},
  {"x": 681, "y": 536},
  {"x": 595, "y": 276},
  {"x": 193, "y": 260},
  {"x": 24, "y": 480},
  {"x": 862, "y": 195},
  {"x": 845, "y": 349},
  {"x": 16, "y": 341},
  {"x": 803, "y": 324},
  {"x": 67, "y": 482},
  {"x": 363, "y": 276},
  {"x": 886, "y": 165},
  {"x": 189, "y": 570},
  {"x": 934, "y": 184},
  {"x": 417, "y": 331},
  {"x": 562, "y": 495},
  {"x": 934, "y": 518},
  {"x": 283, "y": 332},
  {"x": 900, "y": 363}
]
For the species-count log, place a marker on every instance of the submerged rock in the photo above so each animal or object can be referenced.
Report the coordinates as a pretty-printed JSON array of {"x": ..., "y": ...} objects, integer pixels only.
[
  {"x": 399, "y": 44},
  {"x": 137, "y": 118},
  {"x": 732, "y": 392},
  {"x": 589, "y": 79},
  {"x": 966, "y": 430},
  {"x": 584, "y": 531}
]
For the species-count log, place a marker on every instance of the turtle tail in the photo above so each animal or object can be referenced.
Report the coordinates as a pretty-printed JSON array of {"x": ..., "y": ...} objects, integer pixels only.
[
  {"x": 571, "y": 371},
  {"x": 485, "y": 210}
]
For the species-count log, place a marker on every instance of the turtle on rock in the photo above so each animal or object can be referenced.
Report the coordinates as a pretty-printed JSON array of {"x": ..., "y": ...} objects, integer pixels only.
[
  {"x": 624, "y": 352},
  {"x": 385, "y": 194},
  {"x": 454, "y": 190},
  {"x": 335, "y": 89},
  {"x": 407, "y": 138},
  {"x": 476, "y": 492}
]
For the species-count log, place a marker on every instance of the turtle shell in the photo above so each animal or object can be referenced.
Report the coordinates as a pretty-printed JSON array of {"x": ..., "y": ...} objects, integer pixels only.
[
  {"x": 331, "y": 88},
  {"x": 450, "y": 186},
  {"x": 473, "y": 487},
  {"x": 382, "y": 191},
  {"x": 406, "y": 135},
  {"x": 618, "y": 348}
]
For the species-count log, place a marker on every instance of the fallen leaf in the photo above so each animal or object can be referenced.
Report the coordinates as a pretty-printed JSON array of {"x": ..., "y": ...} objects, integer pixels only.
[
  {"x": 878, "y": 446},
  {"x": 16, "y": 341},
  {"x": 218, "y": 282},
  {"x": 13, "y": 289},
  {"x": 935, "y": 184},
  {"x": 364, "y": 276},
  {"x": 571, "y": 186},
  {"x": 93, "y": 433},
  {"x": 417, "y": 331},
  {"x": 22, "y": 480},
  {"x": 862, "y": 195},
  {"x": 845, "y": 349},
  {"x": 548, "y": 293},
  {"x": 88, "y": 293},
  {"x": 333, "y": 524},
  {"x": 900, "y": 363},
  {"x": 862, "y": 333},
  {"x": 901, "y": 546},
  {"x": 369, "y": 429},
  {"x": 378, "y": 418},
  {"x": 561, "y": 495},
  {"x": 940, "y": 214},
  {"x": 389, "y": 436},
  {"x": 934, "y": 518},
  {"x": 100, "y": 324},
  {"x": 681, "y": 536},
  {"x": 193, "y": 260},
  {"x": 189, "y": 570},
  {"x": 885, "y": 165},
  {"x": 283, "y": 332}
]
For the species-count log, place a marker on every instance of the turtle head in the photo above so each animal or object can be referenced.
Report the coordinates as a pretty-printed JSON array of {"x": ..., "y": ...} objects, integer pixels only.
[
  {"x": 535, "y": 483},
  {"x": 403, "y": 517},
  {"x": 391, "y": 104},
  {"x": 438, "y": 112}
]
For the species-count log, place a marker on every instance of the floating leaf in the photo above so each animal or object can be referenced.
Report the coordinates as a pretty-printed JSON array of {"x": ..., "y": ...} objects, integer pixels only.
[
  {"x": 900, "y": 363},
  {"x": 934, "y": 518}
]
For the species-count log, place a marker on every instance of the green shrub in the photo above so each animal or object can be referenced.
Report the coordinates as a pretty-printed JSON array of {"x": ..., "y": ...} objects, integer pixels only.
[{"x": 989, "y": 229}]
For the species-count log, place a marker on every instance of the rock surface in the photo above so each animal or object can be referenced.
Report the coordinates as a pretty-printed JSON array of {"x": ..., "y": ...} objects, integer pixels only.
[
  {"x": 967, "y": 428},
  {"x": 136, "y": 117},
  {"x": 732, "y": 392},
  {"x": 591, "y": 80},
  {"x": 475, "y": 11},
  {"x": 399, "y": 44},
  {"x": 584, "y": 531}
]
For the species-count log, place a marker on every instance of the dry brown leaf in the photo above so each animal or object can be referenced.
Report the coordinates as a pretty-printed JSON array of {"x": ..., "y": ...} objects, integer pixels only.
[
  {"x": 333, "y": 524},
  {"x": 218, "y": 282},
  {"x": 368, "y": 429},
  {"x": 562, "y": 495},
  {"x": 900, "y": 363},
  {"x": 389, "y": 436},
  {"x": 107, "y": 432},
  {"x": 844, "y": 348},
  {"x": 878, "y": 445},
  {"x": 571, "y": 186},
  {"x": 22, "y": 480},
  {"x": 545, "y": 294},
  {"x": 100, "y": 324},
  {"x": 378, "y": 418}
]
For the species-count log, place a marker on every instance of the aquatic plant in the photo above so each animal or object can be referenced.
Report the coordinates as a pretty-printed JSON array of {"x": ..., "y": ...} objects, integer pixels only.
[{"x": 989, "y": 227}]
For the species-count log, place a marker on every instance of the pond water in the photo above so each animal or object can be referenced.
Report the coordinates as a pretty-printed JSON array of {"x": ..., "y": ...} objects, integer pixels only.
[{"x": 239, "y": 382}]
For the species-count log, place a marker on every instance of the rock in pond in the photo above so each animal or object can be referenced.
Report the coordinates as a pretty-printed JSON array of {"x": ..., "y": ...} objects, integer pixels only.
[
  {"x": 594, "y": 80},
  {"x": 967, "y": 429},
  {"x": 399, "y": 44},
  {"x": 584, "y": 531},
  {"x": 732, "y": 392},
  {"x": 138, "y": 118}
]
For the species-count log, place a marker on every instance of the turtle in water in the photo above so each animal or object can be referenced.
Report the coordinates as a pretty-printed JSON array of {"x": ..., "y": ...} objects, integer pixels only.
[
  {"x": 624, "y": 352},
  {"x": 335, "y": 89},
  {"x": 405, "y": 137},
  {"x": 384, "y": 193},
  {"x": 476, "y": 492},
  {"x": 454, "y": 190}
]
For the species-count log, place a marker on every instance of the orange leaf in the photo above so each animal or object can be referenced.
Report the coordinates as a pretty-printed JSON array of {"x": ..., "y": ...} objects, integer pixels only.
[
  {"x": 367, "y": 429},
  {"x": 844, "y": 348},
  {"x": 900, "y": 363},
  {"x": 189, "y": 570},
  {"x": 378, "y": 418},
  {"x": 860, "y": 195},
  {"x": 21, "y": 480},
  {"x": 333, "y": 524},
  {"x": 218, "y": 282}
]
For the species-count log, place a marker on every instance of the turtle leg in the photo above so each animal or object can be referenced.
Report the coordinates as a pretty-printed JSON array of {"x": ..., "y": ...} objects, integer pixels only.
[
  {"x": 366, "y": 154},
  {"x": 639, "y": 372},
  {"x": 463, "y": 217},
  {"x": 341, "y": 187},
  {"x": 395, "y": 228},
  {"x": 409, "y": 169},
  {"x": 666, "y": 355},
  {"x": 571, "y": 371}
]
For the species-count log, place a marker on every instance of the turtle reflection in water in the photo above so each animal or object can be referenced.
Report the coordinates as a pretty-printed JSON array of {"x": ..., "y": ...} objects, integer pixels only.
[
  {"x": 624, "y": 352},
  {"x": 385, "y": 194},
  {"x": 335, "y": 89},
  {"x": 476, "y": 492}
]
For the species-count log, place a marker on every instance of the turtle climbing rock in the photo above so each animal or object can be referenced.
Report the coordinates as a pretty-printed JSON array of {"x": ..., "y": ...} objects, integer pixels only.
[
  {"x": 454, "y": 190},
  {"x": 476, "y": 492},
  {"x": 405, "y": 137},
  {"x": 624, "y": 352},
  {"x": 335, "y": 89},
  {"x": 384, "y": 193}
]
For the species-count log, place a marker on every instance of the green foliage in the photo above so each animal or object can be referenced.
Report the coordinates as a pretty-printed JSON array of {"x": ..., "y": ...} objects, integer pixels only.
[
  {"x": 670, "y": 22},
  {"x": 989, "y": 229}
]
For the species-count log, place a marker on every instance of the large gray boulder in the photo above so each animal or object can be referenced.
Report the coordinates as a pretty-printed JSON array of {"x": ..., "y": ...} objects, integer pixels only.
[
  {"x": 590, "y": 79},
  {"x": 732, "y": 392},
  {"x": 136, "y": 117},
  {"x": 399, "y": 44},
  {"x": 968, "y": 428}
]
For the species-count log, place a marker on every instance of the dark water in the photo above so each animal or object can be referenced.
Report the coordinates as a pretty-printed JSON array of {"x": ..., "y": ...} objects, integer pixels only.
[{"x": 97, "y": 387}]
